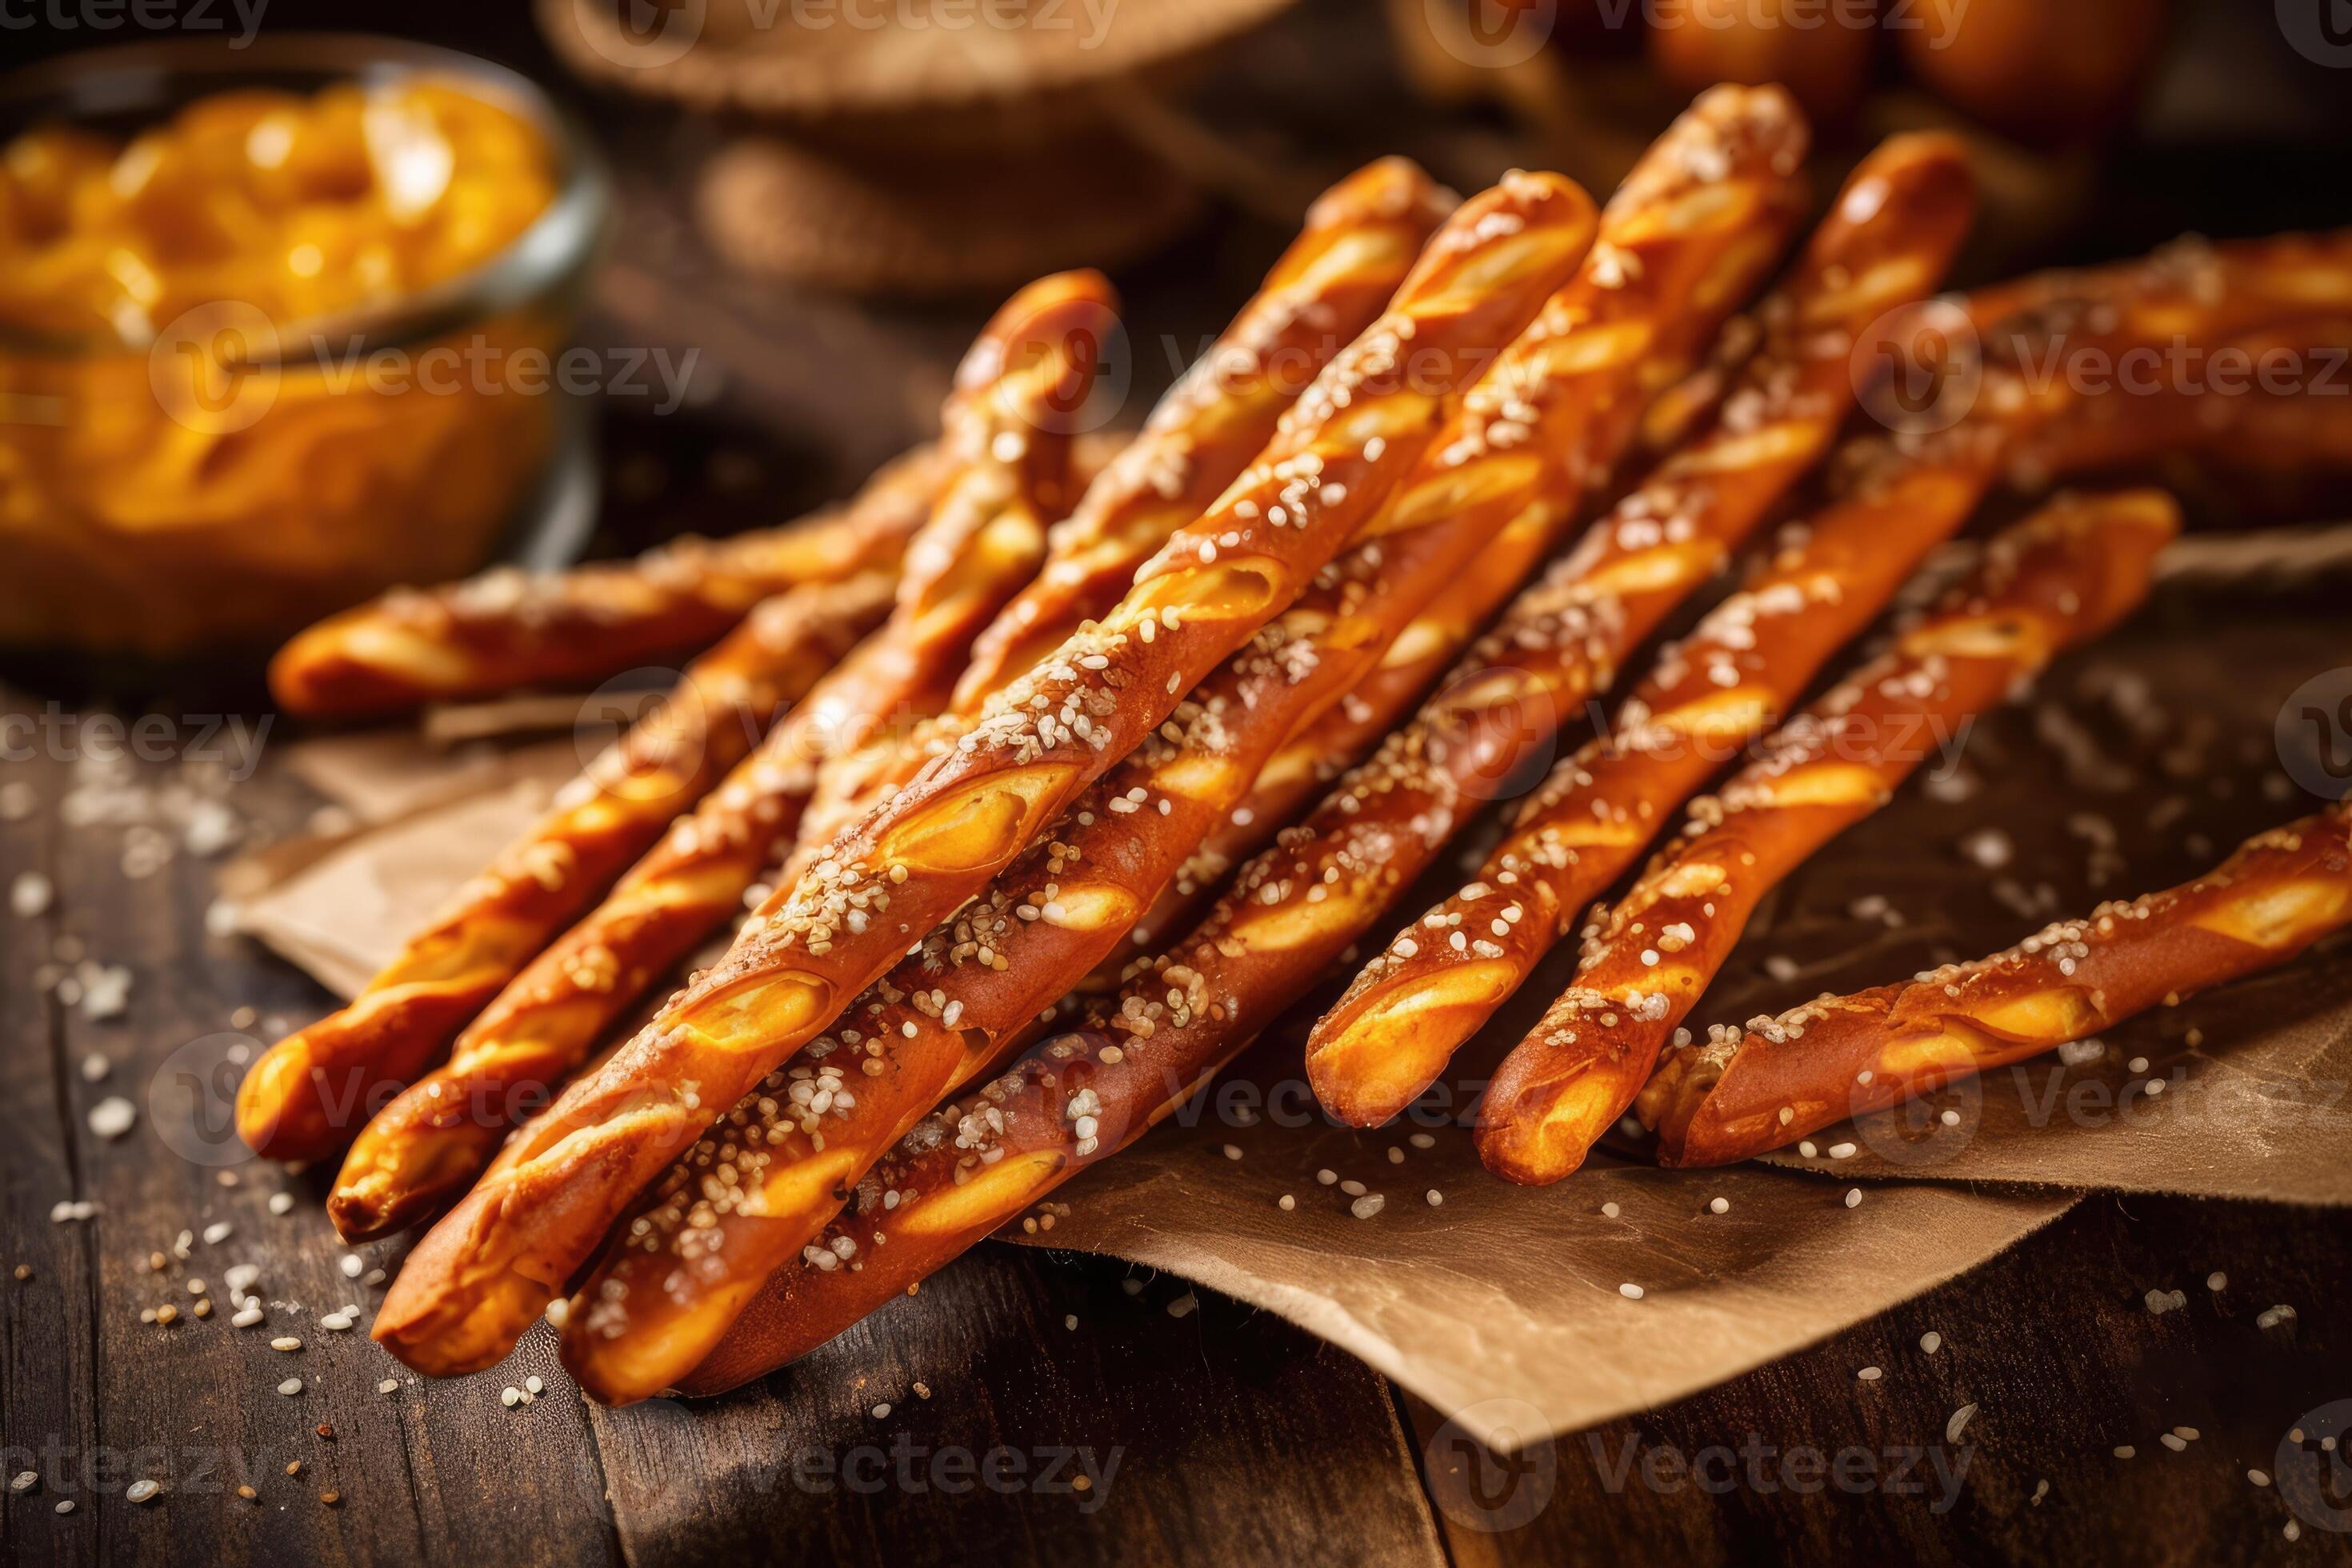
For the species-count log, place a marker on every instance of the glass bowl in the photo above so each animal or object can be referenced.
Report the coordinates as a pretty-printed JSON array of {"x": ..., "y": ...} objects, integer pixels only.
[{"x": 234, "y": 463}]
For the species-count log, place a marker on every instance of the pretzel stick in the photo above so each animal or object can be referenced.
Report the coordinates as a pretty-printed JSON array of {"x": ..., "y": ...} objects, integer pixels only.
[
  {"x": 1492, "y": 494},
  {"x": 2276, "y": 278},
  {"x": 1358, "y": 241},
  {"x": 2274, "y": 399},
  {"x": 1744, "y": 1091},
  {"x": 481, "y": 1276},
  {"x": 982, "y": 543},
  {"x": 2058, "y": 579},
  {"x": 1442, "y": 976},
  {"x": 506, "y": 628}
]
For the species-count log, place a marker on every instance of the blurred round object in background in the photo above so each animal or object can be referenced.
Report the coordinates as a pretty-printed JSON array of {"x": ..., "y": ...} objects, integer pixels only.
[
  {"x": 281, "y": 326},
  {"x": 2044, "y": 70},
  {"x": 1820, "y": 50},
  {"x": 942, "y": 224},
  {"x": 922, "y": 147},
  {"x": 925, "y": 71}
]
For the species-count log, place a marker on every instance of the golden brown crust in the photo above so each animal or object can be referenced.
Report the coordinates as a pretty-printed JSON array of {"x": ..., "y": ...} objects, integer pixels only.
[
  {"x": 1358, "y": 241},
  {"x": 482, "y": 1275},
  {"x": 1492, "y": 494},
  {"x": 2054, "y": 581},
  {"x": 1297, "y": 775},
  {"x": 1740, "y": 1092},
  {"x": 508, "y": 629}
]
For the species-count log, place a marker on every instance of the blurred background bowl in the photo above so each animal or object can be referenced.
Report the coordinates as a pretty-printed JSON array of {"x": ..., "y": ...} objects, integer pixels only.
[{"x": 237, "y": 475}]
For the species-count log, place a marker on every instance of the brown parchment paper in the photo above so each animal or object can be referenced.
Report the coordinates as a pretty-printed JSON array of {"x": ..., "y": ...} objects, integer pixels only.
[
  {"x": 340, "y": 908},
  {"x": 2131, "y": 766}
]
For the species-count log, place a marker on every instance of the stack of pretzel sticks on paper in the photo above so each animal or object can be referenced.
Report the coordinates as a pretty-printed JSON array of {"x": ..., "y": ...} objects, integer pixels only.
[
  {"x": 1086, "y": 1094},
  {"x": 978, "y": 1165},
  {"x": 1444, "y": 975},
  {"x": 310, "y": 1092},
  {"x": 672, "y": 1280},
  {"x": 1303, "y": 572},
  {"x": 428, "y": 1146},
  {"x": 490, "y": 1267},
  {"x": 1671, "y": 255}
]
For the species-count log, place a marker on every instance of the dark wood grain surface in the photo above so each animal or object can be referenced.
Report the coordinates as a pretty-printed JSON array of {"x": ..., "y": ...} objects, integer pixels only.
[
  {"x": 1214, "y": 1434},
  {"x": 1218, "y": 1434}
]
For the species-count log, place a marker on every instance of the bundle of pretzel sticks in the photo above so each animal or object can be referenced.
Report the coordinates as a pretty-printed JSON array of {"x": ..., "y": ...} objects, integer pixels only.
[{"x": 1066, "y": 778}]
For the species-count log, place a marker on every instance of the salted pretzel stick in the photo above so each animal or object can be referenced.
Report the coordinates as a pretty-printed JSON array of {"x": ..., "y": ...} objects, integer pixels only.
[
  {"x": 2274, "y": 398},
  {"x": 1492, "y": 494},
  {"x": 1743, "y": 1091},
  {"x": 2274, "y": 277},
  {"x": 2056, "y": 580},
  {"x": 1444, "y": 975},
  {"x": 507, "y": 629},
  {"x": 308, "y": 1093},
  {"x": 982, "y": 543},
  {"x": 482, "y": 1275},
  {"x": 1360, "y": 237}
]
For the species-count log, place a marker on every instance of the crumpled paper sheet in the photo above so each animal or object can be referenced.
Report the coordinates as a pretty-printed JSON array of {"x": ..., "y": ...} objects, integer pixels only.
[
  {"x": 2136, "y": 765},
  {"x": 1503, "y": 1306},
  {"x": 340, "y": 909}
]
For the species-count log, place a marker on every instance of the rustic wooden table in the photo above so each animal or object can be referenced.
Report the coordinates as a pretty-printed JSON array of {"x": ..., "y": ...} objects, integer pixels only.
[{"x": 1225, "y": 1434}]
